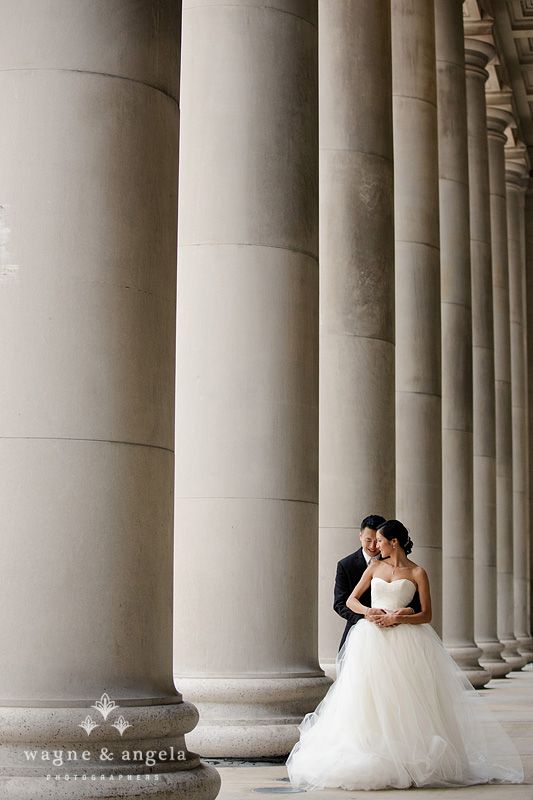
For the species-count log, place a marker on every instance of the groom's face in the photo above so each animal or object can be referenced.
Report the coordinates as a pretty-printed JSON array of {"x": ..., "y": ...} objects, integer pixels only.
[{"x": 368, "y": 540}]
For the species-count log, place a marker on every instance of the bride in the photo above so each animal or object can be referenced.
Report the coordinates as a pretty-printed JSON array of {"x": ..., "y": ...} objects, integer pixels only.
[{"x": 401, "y": 713}]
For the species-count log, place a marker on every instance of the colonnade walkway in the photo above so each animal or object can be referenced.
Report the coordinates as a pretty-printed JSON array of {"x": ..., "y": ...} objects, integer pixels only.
[{"x": 510, "y": 698}]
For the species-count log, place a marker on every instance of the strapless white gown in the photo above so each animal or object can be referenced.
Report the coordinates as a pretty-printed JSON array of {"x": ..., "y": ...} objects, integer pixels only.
[{"x": 401, "y": 713}]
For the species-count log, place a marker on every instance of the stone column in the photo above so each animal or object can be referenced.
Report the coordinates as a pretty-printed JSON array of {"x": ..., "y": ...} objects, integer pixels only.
[
  {"x": 526, "y": 647},
  {"x": 247, "y": 399},
  {"x": 456, "y": 313},
  {"x": 516, "y": 176},
  {"x": 497, "y": 122},
  {"x": 528, "y": 224},
  {"x": 418, "y": 342},
  {"x": 478, "y": 54},
  {"x": 356, "y": 286},
  {"x": 88, "y": 182}
]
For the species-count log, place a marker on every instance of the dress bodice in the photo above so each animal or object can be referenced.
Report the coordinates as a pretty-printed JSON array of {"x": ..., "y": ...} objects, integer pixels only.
[{"x": 392, "y": 595}]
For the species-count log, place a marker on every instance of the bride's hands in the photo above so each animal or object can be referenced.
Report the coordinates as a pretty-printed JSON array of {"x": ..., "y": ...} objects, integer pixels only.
[
  {"x": 387, "y": 619},
  {"x": 372, "y": 614}
]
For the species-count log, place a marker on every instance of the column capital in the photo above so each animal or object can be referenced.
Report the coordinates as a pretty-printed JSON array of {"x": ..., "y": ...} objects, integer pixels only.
[
  {"x": 516, "y": 169},
  {"x": 498, "y": 120},
  {"x": 477, "y": 21},
  {"x": 478, "y": 53},
  {"x": 502, "y": 98},
  {"x": 518, "y": 152}
]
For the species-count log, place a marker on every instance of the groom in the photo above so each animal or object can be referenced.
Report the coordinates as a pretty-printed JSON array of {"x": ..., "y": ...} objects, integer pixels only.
[{"x": 350, "y": 570}]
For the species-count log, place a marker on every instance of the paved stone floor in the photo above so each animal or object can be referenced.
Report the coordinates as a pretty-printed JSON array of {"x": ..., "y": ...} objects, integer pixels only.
[{"x": 511, "y": 699}]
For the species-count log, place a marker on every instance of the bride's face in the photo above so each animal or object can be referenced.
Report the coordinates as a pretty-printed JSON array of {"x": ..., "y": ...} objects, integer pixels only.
[{"x": 384, "y": 546}]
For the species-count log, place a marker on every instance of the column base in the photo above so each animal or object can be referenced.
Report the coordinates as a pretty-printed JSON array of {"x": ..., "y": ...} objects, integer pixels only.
[
  {"x": 511, "y": 655},
  {"x": 330, "y": 669},
  {"x": 466, "y": 657},
  {"x": 525, "y": 648},
  {"x": 106, "y": 750},
  {"x": 250, "y": 717},
  {"x": 491, "y": 659},
  {"x": 198, "y": 783}
]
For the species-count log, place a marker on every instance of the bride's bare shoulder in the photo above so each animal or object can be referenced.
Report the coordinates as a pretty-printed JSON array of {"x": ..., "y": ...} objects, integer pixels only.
[
  {"x": 417, "y": 569},
  {"x": 419, "y": 573},
  {"x": 371, "y": 568}
]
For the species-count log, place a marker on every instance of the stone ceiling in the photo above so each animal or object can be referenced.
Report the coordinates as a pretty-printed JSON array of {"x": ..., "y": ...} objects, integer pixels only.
[{"x": 508, "y": 24}]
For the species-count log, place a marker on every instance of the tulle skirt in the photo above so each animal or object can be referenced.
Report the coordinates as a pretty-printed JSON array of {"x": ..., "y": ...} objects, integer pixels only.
[{"x": 401, "y": 713}]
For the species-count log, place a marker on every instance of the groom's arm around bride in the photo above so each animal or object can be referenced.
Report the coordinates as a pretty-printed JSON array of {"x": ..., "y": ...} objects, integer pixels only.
[{"x": 350, "y": 571}]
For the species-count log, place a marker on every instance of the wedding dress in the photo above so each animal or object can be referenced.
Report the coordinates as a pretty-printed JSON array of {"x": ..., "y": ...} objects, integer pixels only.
[{"x": 401, "y": 713}]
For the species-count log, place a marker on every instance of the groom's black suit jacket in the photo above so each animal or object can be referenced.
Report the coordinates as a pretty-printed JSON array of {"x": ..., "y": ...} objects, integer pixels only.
[{"x": 349, "y": 572}]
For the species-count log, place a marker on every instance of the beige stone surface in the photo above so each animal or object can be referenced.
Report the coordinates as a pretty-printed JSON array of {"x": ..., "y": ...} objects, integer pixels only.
[
  {"x": 88, "y": 207},
  {"x": 87, "y": 352},
  {"x": 240, "y": 783},
  {"x": 356, "y": 466},
  {"x": 417, "y": 280},
  {"x": 482, "y": 238},
  {"x": 247, "y": 392},
  {"x": 516, "y": 175},
  {"x": 528, "y": 296},
  {"x": 456, "y": 339},
  {"x": 497, "y": 121}
]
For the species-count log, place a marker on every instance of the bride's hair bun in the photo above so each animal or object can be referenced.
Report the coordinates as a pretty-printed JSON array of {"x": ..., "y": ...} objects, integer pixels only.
[{"x": 394, "y": 529}]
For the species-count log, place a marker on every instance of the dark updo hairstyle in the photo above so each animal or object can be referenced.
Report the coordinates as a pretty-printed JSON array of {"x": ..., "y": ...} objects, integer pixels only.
[{"x": 394, "y": 529}]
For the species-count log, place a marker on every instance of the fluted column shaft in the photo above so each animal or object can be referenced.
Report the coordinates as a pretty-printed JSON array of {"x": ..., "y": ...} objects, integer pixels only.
[
  {"x": 418, "y": 340},
  {"x": 477, "y": 55},
  {"x": 497, "y": 122},
  {"x": 356, "y": 286},
  {"x": 456, "y": 313},
  {"x": 88, "y": 170},
  {"x": 516, "y": 181},
  {"x": 247, "y": 397}
]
